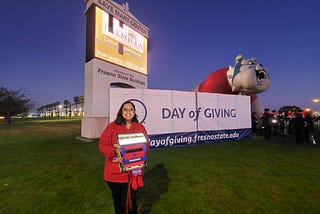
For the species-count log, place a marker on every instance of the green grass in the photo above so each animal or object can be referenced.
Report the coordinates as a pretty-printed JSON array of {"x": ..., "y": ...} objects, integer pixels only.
[{"x": 44, "y": 169}]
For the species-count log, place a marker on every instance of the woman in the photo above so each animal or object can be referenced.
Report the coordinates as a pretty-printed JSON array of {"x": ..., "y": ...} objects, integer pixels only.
[{"x": 124, "y": 196}]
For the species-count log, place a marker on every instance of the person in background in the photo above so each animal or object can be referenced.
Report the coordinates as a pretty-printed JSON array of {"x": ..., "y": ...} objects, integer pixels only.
[
  {"x": 298, "y": 125},
  {"x": 267, "y": 123},
  {"x": 254, "y": 122},
  {"x": 308, "y": 129},
  {"x": 282, "y": 124},
  {"x": 120, "y": 183},
  {"x": 275, "y": 123},
  {"x": 289, "y": 120}
]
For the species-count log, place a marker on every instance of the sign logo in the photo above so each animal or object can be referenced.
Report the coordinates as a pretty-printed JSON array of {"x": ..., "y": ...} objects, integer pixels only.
[{"x": 141, "y": 109}]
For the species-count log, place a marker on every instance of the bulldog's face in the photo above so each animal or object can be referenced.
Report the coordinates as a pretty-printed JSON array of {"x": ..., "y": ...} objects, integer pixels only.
[{"x": 248, "y": 76}]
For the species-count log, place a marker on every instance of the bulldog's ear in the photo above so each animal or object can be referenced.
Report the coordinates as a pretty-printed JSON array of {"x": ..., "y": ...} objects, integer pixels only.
[
  {"x": 239, "y": 58},
  {"x": 230, "y": 72}
]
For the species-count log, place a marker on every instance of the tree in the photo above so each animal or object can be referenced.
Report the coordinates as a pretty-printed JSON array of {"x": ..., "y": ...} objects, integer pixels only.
[
  {"x": 58, "y": 106},
  {"x": 76, "y": 100},
  {"x": 289, "y": 108},
  {"x": 40, "y": 109},
  {"x": 82, "y": 104},
  {"x": 66, "y": 104},
  {"x": 13, "y": 102}
]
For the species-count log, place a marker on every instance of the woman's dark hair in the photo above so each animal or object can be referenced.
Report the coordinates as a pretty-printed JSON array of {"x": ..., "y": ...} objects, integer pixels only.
[{"x": 120, "y": 120}]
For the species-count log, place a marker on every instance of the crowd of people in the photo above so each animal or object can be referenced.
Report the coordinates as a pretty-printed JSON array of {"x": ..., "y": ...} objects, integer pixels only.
[{"x": 298, "y": 124}]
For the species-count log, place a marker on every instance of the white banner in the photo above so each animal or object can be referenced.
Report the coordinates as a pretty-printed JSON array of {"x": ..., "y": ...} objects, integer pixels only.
[
  {"x": 222, "y": 111},
  {"x": 161, "y": 111},
  {"x": 179, "y": 118}
]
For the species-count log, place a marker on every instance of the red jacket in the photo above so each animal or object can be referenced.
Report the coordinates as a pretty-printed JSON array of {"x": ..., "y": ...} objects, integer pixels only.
[{"x": 106, "y": 146}]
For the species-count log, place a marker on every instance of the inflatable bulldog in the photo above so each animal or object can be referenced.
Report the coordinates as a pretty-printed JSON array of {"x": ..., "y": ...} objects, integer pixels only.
[{"x": 247, "y": 77}]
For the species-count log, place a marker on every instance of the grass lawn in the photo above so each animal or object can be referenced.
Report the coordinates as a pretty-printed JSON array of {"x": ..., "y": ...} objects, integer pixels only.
[{"x": 44, "y": 169}]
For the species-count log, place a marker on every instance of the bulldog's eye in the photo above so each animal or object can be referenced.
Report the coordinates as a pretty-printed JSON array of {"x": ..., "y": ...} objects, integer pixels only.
[{"x": 250, "y": 62}]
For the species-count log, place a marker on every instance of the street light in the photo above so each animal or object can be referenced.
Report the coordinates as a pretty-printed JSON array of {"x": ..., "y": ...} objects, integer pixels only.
[
  {"x": 308, "y": 109},
  {"x": 316, "y": 101}
]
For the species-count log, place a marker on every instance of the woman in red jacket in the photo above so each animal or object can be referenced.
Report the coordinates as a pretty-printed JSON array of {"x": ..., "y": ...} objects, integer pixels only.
[{"x": 120, "y": 183}]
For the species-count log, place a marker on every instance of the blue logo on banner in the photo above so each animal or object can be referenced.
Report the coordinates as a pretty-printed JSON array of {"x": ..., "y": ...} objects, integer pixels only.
[{"x": 138, "y": 103}]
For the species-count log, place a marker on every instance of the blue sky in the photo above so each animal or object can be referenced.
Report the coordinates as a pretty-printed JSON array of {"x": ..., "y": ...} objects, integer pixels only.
[{"x": 42, "y": 45}]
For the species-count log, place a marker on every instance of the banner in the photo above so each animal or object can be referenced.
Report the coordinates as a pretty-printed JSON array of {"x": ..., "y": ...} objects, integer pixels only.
[
  {"x": 223, "y": 111},
  {"x": 181, "y": 118}
]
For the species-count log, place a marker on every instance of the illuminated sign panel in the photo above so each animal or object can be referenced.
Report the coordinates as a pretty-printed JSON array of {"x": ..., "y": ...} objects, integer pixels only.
[{"x": 117, "y": 43}]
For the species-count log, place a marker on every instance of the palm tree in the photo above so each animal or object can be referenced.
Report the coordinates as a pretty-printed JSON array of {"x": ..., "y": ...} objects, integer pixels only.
[
  {"x": 82, "y": 104},
  {"x": 66, "y": 104},
  {"x": 56, "y": 108},
  {"x": 76, "y": 100},
  {"x": 47, "y": 109},
  {"x": 40, "y": 109}
]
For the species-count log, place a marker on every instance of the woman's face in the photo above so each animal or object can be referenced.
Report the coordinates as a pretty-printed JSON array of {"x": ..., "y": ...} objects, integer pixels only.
[{"x": 128, "y": 112}]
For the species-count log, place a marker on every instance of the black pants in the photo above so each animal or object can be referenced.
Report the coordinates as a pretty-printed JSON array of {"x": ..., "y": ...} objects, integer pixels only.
[
  {"x": 299, "y": 136},
  {"x": 307, "y": 135},
  {"x": 267, "y": 132},
  {"x": 119, "y": 195}
]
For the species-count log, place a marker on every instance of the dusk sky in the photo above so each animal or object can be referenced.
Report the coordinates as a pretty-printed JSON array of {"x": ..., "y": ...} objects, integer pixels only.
[{"x": 42, "y": 45}]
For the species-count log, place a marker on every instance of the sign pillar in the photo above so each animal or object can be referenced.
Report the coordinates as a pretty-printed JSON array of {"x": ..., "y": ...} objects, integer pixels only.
[{"x": 116, "y": 56}]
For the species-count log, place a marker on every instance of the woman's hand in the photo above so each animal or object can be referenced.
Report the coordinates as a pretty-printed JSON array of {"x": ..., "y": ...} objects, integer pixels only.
[{"x": 118, "y": 153}]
